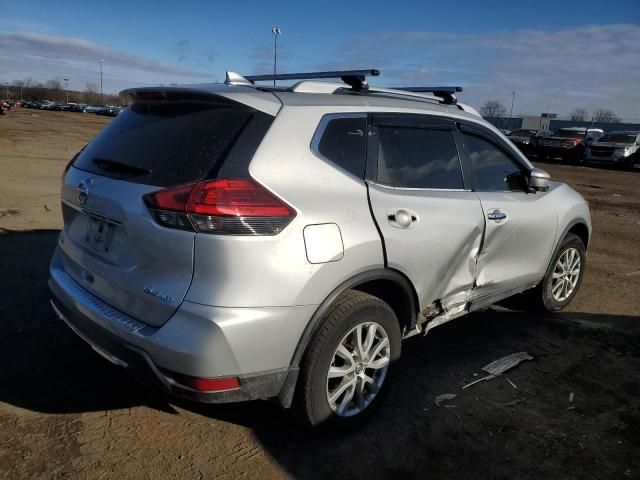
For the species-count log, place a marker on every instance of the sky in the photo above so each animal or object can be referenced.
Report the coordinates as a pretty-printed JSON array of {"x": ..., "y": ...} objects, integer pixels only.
[{"x": 556, "y": 55}]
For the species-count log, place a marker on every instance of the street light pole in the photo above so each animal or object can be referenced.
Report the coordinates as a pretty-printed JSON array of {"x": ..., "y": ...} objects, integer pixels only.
[
  {"x": 66, "y": 88},
  {"x": 276, "y": 31},
  {"x": 101, "y": 62},
  {"x": 512, "y": 100}
]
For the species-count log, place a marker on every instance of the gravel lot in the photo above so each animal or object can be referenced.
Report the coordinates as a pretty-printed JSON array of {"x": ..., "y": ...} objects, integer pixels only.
[{"x": 66, "y": 412}]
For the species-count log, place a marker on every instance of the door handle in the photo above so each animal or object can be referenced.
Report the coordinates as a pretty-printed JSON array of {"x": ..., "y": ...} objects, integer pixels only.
[
  {"x": 496, "y": 215},
  {"x": 401, "y": 218}
]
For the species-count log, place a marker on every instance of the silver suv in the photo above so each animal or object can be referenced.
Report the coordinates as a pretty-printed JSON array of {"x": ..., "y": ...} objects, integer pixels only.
[{"x": 236, "y": 242}]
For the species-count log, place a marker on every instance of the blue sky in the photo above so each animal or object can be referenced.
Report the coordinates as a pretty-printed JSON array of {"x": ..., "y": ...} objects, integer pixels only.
[{"x": 560, "y": 54}]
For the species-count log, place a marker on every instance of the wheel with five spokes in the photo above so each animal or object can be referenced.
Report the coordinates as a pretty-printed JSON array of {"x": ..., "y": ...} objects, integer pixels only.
[
  {"x": 564, "y": 276},
  {"x": 347, "y": 368}
]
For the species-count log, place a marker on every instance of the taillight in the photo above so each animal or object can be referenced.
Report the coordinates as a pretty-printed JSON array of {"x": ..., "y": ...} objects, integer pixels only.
[{"x": 223, "y": 206}]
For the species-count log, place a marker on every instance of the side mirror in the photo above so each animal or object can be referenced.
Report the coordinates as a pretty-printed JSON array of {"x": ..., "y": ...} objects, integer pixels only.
[{"x": 539, "y": 180}]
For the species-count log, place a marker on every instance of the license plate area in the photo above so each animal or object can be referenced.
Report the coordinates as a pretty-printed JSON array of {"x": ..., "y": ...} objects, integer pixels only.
[{"x": 99, "y": 233}]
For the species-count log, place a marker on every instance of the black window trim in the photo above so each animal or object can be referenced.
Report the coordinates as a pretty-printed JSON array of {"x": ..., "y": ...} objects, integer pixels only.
[
  {"x": 496, "y": 141},
  {"x": 317, "y": 137},
  {"x": 410, "y": 120}
]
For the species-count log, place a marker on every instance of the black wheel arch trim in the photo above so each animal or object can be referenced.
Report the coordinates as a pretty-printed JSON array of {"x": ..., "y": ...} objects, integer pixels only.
[
  {"x": 367, "y": 276},
  {"x": 573, "y": 223}
]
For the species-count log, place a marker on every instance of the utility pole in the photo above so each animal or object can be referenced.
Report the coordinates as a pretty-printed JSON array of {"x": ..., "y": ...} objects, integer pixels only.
[
  {"x": 101, "y": 62},
  {"x": 276, "y": 31},
  {"x": 66, "y": 88}
]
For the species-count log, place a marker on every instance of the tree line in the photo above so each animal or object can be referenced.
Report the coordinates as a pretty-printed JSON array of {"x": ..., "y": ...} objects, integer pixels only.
[
  {"x": 493, "y": 108},
  {"x": 54, "y": 90}
]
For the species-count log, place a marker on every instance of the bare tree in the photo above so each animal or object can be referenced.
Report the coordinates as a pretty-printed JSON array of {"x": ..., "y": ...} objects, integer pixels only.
[
  {"x": 579, "y": 115},
  {"x": 605, "y": 116},
  {"x": 55, "y": 89},
  {"x": 493, "y": 108}
]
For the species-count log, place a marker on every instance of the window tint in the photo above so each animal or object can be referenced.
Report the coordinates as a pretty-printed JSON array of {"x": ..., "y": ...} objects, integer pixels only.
[
  {"x": 418, "y": 158},
  {"x": 489, "y": 164},
  {"x": 164, "y": 143},
  {"x": 343, "y": 142}
]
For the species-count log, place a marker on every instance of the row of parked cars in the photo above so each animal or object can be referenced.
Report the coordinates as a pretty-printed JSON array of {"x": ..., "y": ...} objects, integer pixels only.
[
  {"x": 580, "y": 145},
  {"x": 108, "y": 110},
  {"x": 6, "y": 105}
]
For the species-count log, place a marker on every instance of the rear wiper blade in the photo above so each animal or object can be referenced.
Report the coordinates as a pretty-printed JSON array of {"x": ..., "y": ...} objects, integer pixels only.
[{"x": 119, "y": 167}]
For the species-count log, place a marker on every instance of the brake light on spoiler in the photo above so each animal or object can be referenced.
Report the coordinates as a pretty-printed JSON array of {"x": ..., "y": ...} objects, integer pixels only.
[{"x": 237, "y": 206}]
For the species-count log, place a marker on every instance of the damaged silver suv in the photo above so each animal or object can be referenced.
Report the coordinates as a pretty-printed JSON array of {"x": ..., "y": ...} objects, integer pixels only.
[{"x": 236, "y": 242}]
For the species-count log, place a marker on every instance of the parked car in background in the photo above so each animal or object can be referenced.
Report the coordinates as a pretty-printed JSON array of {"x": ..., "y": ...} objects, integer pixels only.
[
  {"x": 523, "y": 139},
  {"x": 92, "y": 108},
  {"x": 567, "y": 143},
  {"x": 615, "y": 148},
  {"x": 235, "y": 242}
]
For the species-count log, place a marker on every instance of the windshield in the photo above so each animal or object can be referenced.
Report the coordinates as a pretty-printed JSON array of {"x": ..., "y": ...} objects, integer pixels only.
[
  {"x": 619, "y": 138},
  {"x": 570, "y": 134}
]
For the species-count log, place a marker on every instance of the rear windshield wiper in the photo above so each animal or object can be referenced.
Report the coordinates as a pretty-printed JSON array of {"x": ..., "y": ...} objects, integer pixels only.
[{"x": 119, "y": 167}]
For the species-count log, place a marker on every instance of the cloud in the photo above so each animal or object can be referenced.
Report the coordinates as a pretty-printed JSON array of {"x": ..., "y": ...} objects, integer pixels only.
[
  {"x": 43, "y": 57},
  {"x": 595, "y": 66}
]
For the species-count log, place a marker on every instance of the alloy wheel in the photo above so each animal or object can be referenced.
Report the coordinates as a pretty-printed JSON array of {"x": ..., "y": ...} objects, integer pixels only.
[
  {"x": 358, "y": 368},
  {"x": 566, "y": 274}
]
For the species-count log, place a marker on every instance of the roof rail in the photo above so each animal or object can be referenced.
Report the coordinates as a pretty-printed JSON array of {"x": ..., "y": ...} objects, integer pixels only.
[
  {"x": 355, "y": 78},
  {"x": 446, "y": 93}
]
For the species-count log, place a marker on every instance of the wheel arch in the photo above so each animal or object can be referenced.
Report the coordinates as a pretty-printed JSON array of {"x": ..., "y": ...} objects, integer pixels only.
[{"x": 387, "y": 284}]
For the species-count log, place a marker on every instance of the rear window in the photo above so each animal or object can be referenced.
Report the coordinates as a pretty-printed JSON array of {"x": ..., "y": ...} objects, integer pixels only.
[
  {"x": 344, "y": 143},
  {"x": 165, "y": 143}
]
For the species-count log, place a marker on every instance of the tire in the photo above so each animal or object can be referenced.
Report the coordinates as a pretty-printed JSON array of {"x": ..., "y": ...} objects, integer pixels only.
[
  {"x": 549, "y": 295},
  {"x": 352, "y": 310}
]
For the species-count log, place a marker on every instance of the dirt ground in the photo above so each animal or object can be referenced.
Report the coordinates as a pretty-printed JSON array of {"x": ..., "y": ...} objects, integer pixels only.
[{"x": 66, "y": 412}]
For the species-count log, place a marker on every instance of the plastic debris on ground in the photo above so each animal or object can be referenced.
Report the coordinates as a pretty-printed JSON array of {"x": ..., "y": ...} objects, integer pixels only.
[{"x": 498, "y": 367}]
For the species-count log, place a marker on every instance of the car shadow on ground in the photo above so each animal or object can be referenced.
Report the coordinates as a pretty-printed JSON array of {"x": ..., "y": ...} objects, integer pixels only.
[{"x": 526, "y": 428}]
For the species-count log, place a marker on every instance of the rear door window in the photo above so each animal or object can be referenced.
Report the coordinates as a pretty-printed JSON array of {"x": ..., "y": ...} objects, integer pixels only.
[
  {"x": 165, "y": 143},
  {"x": 418, "y": 158},
  {"x": 343, "y": 141}
]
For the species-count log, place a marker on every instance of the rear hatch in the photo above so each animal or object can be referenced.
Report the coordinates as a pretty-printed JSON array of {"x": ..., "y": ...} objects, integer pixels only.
[{"x": 112, "y": 245}]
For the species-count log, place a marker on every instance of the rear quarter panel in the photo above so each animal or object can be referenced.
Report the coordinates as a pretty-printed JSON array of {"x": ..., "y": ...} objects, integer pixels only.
[{"x": 275, "y": 270}]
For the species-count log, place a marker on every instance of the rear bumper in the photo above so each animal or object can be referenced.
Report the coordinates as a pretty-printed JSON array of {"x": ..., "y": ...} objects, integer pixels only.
[{"x": 198, "y": 341}]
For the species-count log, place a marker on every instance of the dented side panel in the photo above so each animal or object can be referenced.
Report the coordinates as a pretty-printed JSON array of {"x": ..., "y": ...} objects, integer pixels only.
[
  {"x": 516, "y": 248},
  {"x": 438, "y": 251}
]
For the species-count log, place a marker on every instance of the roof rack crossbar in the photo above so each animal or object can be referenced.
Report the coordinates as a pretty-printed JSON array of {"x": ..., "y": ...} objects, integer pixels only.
[
  {"x": 355, "y": 78},
  {"x": 446, "y": 93}
]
